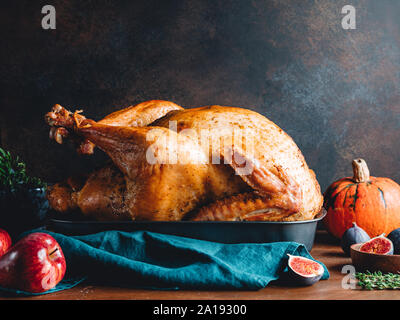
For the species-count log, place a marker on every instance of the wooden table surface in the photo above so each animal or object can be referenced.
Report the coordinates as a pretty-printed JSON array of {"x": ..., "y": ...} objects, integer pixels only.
[{"x": 325, "y": 250}]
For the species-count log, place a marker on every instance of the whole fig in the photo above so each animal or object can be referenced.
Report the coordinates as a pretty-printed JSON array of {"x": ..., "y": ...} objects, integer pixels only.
[
  {"x": 352, "y": 236},
  {"x": 394, "y": 236}
]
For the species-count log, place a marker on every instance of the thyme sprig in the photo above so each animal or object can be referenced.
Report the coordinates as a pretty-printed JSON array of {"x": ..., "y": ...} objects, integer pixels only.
[
  {"x": 13, "y": 175},
  {"x": 378, "y": 280}
]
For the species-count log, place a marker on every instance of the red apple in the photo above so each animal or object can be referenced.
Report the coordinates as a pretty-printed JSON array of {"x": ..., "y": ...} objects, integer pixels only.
[
  {"x": 36, "y": 263},
  {"x": 5, "y": 241}
]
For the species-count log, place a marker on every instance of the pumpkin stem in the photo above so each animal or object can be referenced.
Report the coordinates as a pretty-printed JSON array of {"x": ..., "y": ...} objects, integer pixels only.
[{"x": 360, "y": 170}]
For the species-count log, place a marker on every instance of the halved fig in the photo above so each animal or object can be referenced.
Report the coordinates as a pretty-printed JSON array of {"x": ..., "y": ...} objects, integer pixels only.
[
  {"x": 304, "y": 271},
  {"x": 378, "y": 245}
]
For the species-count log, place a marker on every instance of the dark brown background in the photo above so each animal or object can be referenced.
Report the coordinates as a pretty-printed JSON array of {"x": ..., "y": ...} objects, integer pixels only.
[{"x": 335, "y": 91}]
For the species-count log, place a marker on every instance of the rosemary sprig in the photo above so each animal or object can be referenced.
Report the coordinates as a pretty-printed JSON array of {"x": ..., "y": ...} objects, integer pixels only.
[
  {"x": 378, "y": 280},
  {"x": 13, "y": 174}
]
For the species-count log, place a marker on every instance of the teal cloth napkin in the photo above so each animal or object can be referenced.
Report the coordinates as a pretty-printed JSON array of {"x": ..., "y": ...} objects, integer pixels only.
[{"x": 151, "y": 260}]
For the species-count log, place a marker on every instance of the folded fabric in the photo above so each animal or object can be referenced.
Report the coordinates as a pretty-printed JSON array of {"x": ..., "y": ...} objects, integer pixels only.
[{"x": 151, "y": 260}]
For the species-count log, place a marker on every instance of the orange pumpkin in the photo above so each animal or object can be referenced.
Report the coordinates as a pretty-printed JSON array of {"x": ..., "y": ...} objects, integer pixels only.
[{"x": 373, "y": 203}]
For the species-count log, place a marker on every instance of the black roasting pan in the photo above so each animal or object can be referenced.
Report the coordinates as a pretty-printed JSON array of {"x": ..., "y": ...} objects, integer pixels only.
[{"x": 218, "y": 231}]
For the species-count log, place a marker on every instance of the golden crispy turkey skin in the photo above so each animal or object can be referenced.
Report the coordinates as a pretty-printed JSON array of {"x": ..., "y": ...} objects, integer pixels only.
[{"x": 170, "y": 163}]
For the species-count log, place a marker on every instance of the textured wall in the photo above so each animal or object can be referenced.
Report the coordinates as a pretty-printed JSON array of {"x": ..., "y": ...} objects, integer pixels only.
[{"x": 335, "y": 91}]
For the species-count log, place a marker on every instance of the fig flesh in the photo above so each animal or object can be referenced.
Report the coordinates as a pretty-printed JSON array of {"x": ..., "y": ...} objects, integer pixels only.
[
  {"x": 304, "y": 271},
  {"x": 394, "y": 236},
  {"x": 352, "y": 236},
  {"x": 378, "y": 245}
]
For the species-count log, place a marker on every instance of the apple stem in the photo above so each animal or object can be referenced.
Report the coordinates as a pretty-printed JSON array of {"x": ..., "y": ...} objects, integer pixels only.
[{"x": 53, "y": 251}]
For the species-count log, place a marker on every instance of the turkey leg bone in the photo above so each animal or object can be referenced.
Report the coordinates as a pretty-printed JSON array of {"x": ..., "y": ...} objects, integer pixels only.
[{"x": 139, "y": 115}]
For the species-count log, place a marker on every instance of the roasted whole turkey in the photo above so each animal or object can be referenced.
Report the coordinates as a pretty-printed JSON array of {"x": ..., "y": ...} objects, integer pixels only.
[{"x": 169, "y": 163}]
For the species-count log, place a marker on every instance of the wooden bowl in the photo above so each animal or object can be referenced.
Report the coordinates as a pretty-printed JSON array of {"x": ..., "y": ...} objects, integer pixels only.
[{"x": 364, "y": 261}]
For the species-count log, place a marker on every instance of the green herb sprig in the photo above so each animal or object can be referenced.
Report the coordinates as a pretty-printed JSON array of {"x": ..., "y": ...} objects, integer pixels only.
[
  {"x": 378, "y": 280},
  {"x": 13, "y": 174}
]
